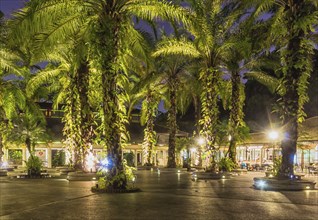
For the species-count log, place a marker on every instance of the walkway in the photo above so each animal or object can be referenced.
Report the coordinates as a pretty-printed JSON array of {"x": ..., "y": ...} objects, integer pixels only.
[{"x": 167, "y": 195}]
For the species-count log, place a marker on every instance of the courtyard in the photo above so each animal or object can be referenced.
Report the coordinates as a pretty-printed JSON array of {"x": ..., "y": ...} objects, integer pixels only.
[{"x": 164, "y": 195}]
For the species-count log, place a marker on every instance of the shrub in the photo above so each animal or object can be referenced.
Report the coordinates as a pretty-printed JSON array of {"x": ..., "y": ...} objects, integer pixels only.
[
  {"x": 276, "y": 165},
  {"x": 34, "y": 166},
  {"x": 226, "y": 164}
]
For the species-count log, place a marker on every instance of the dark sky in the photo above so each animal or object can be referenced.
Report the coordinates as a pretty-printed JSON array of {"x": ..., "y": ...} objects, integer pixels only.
[{"x": 8, "y": 6}]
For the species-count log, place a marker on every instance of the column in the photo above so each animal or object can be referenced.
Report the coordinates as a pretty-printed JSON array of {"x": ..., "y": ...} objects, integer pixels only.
[
  {"x": 49, "y": 157},
  {"x": 24, "y": 156},
  {"x": 136, "y": 158}
]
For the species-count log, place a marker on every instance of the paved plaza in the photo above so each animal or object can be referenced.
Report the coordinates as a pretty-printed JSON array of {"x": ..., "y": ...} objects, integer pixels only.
[{"x": 164, "y": 195}]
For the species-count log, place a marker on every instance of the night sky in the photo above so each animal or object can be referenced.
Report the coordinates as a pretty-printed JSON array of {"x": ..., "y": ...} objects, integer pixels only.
[{"x": 8, "y": 6}]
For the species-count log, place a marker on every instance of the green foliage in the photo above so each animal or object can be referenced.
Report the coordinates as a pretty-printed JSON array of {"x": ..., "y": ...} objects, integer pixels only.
[
  {"x": 15, "y": 156},
  {"x": 59, "y": 159},
  {"x": 119, "y": 181},
  {"x": 277, "y": 164},
  {"x": 226, "y": 164},
  {"x": 34, "y": 166},
  {"x": 129, "y": 157}
]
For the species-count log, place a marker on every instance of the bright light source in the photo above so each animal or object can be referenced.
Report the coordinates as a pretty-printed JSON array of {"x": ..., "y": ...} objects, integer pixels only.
[
  {"x": 90, "y": 161},
  {"x": 94, "y": 178},
  {"x": 273, "y": 135},
  {"x": 223, "y": 177},
  {"x": 104, "y": 165},
  {"x": 179, "y": 171},
  {"x": 261, "y": 184},
  {"x": 270, "y": 175},
  {"x": 230, "y": 137},
  {"x": 4, "y": 164},
  {"x": 201, "y": 141}
]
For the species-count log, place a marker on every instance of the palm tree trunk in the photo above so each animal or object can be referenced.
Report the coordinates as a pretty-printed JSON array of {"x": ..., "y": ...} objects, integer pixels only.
[
  {"x": 86, "y": 114},
  {"x": 1, "y": 149},
  {"x": 150, "y": 135},
  {"x": 112, "y": 115},
  {"x": 197, "y": 115},
  {"x": 291, "y": 101},
  {"x": 209, "y": 110},
  {"x": 236, "y": 114},
  {"x": 172, "y": 120}
]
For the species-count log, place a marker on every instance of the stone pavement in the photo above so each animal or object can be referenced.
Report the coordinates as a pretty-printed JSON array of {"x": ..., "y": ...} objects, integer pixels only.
[{"x": 167, "y": 195}]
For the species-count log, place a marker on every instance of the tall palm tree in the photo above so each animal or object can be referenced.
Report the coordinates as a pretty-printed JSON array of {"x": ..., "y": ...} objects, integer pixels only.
[
  {"x": 210, "y": 25},
  {"x": 107, "y": 25},
  {"x": 67, "y": 77},
  {"x": 291, "y": 29},
  {"x": 12, "y": 98},
  {"x": 149, "y": 91}
]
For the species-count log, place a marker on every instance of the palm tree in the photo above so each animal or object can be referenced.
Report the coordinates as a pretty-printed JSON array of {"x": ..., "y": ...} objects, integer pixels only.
[
  {"x": 210, "y": 26},
  {"x": 67, "y": 77},
  {"x": 11, "y": 96},
  {"x": 107, "y": 25},
  {"x": 149, "y": 91},
  {"x": 292, "y": 29}
]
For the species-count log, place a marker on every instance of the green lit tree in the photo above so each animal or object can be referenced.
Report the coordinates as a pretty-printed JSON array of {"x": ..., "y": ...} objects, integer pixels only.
[
  {"x": 292, "y": 29},
  {"x": 108, "y": 26}
]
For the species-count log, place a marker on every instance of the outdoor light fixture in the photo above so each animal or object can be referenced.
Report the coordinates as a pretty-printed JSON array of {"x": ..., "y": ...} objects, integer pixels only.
[
  {"x": 223, "y": 177},
  {"x": 230, "y": 137},
  {"x": 261, "y": 184},
  {"x": 104, "y": 165},
  {"x": 179, "y": 171},
  {"x": 273, "y": 135}
]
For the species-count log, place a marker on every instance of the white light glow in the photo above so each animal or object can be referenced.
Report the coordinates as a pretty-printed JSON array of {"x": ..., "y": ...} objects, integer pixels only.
[
  {"x": 273, "y": 135},
  {"x": 201, "y": 141},
  {"x": 261, "y": 184},
  {"x": 90, "y": 161},
  {"x": 4, "y": 164}
]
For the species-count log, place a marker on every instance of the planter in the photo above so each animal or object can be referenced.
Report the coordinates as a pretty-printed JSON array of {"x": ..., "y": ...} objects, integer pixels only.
[
  {"x": 95, "y": 189},
  {"x": 266, "y": 183},
  {"x": 81, "y": 176},
  {"x": 210, "y": 175}
]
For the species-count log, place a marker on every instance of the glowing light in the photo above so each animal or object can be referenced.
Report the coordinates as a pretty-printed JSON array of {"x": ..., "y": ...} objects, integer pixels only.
[
  {"x": 134, "y": 179},
  {"x": 201, "y": 141},
  {"x": 273, "y": 135},
  {"x": 4, "y": 164},
  {"x": 261, "y": 184},
  {"x": 94, "y": 178},
  {"x": 104, "y": 165},
  {"x": 270, "y": 175},
  {"x": 179, "y": 171},
  {"x": 307, "y": 187},
  {"x": 90, "y": 161},
  {"x": 230, "y": 137},
  {"x": 223, "y": 177}
]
